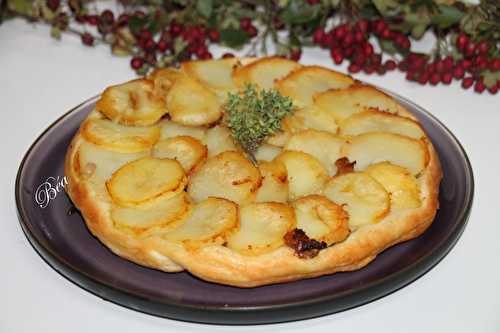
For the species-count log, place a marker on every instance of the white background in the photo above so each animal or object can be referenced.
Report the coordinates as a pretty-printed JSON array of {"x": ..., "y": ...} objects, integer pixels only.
[{"x": 41, "y": 78}]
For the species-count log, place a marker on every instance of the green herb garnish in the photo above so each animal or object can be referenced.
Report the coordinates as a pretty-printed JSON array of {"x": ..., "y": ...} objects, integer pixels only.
[{"x": 253, "y": 116}]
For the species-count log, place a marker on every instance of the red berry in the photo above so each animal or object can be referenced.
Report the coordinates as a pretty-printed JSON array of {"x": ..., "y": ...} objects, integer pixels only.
[
  {"x": 353, "y": 68},
  {"x": 200, "y": 51},
  {"x": 245, "y": 23},
  {"x": 348, "y": 40},
  {"x": 470, "y": 49},
  {"x": 423, "y": 78},
  {"x": 213, "y": 35},
  {"x": 175, "y": 28},
  {"x": 446, "y": 78},
  {"x": 87, "y": 39},
  {"x": 340, "y": 31},
  {"x": 318, "y": 36},
  {"x": 390, "y": 65},
  {"x": 466, "y": 64},
  {"x": 448, "y": 63},
  {"x": 252, "y": 31},
  {"x": 359, "y": 37},
  {"x": 376, "y": 59},
  {"x": 206, "y": 55},
  {"x": 379, "y": 26},
  {"x": 462, "y": 41},
  {"x": 483, "y": 47},
  {"x": 359, "y": 59},
  {"x": 139, "y": 13},
  {"x": 368, "y": 49},
  {"x": 150, "y": 58},
  {"x": 411, "y": 76},
  {"x": 92, "y": 19},
  {"x": 53, "y": 4},
  {"x": 479, "y": 87},
  {"x": 107, "y": 16},
  {"x": 363, "y": 26},
  {"x": 348, "y": 52},
  {"x": 458, "y": 73},
  {"x": 439, "y": 66},
  {"x": 122, "y": 20},
  {"x": 278, "y": 23},
  {"x": 434, "y": 78},
  {"x": 163, "y": 45},
  {"x": 369, "y": 69},
  {"x": 337, "y": 58},
  {"x": 328, "y": 41},
  {"x": 495, "y": 64},
  {"x": 493, "y": 89},
  {"x": 386, "y": 34},
  {"x": 136, "y": 62},
  {"x": 313, "y": 2},
  {"x": 145, "y": 34},
  {"x": 227, "y": 55},
  {"x": 467, "y": 82},
  {"x": 149, "y": 45},
  {"x": 295, "y": 53}
]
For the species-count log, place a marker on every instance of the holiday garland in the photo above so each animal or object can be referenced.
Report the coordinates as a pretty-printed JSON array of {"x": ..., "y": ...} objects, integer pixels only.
[{"x": 159, "y": 33}]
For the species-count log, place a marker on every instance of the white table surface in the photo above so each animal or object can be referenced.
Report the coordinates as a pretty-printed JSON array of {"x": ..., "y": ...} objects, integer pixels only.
[{"x": 41, "y": 78}]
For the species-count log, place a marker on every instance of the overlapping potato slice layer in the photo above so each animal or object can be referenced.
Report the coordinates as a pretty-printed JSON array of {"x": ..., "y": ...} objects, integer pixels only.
[
  {"x": 262, "y": 227},
  {"x": 399, "y": 182},
  {"x": 146, "y": 179},
  {"x": 120, "y": 138},
  {"x": 274, "y": 182},
  {"x": 216, "y": 74},
  {"x": 163, "y": 79},
  {"x": 188, "y": 151},
  {"x": 208, "y": 222},
  {"x": 191, "y": 103},
  {"x": 305, "y": 173},
  {"x": 267, "y": 152},
  {"x": 227, "y": 175},
  {"x": 321, "y": 219},
  {"x": 219, "y": 139},
  {"x": 264, "y": 72},
  {"x": 169, "y": 129},
  {"x": 303, "y": 84},
  {"x": 365, "y": 200},
  {"x": 325, "y": 147},
  {"x": 375, "y": 147},
  {"x": 343, "y": 103},
  {"x": 373, "y": 120},
  {"x": 132, "y": 103}
]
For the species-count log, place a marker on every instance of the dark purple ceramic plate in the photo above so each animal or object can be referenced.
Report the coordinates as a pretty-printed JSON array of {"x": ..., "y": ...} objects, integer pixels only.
[{"x": 61, "y": 238}]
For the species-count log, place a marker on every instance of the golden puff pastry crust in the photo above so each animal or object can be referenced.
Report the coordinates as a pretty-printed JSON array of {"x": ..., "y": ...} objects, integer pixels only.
[{"x": 174, "y": 194}]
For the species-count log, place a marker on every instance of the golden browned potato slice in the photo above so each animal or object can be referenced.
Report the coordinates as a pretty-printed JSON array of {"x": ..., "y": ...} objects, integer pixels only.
[
  {"x": 365, "y": 200},
  {"x": 376, "y": 147},
  {"x": 163, "y": 79},
  {"x": 132, "y": 103},
  {"x": 305, "y": 173},
  {"x": 162, "y": 212},
  {"x": 345, "y": 102},
  {"x": 372, "y": 120},
  {"x": 120, "y": 138},
  {"x": 208, "y": 222},
  {"x": 262, "y": 228},
  {"x": 310, "y": 117},
  {"x": 228, "y": 175},
  {"x": 274, "y": 182},
  {"x": 281, "y": 138},
  {"x": 301, "y": 85},
  {"x": 264, "y": 72},
  {"x": 321, "y": 219},
  {"x": 399, "y": 182},
  {"x": 145, "y": 179},
  {"x": 188, "y": 151},
  {"x": 100, "y": 163},
  {"x": 169, "y": 129},
  {"x": 216, "y": 74},
  {"x": 219, "y": 139},
  {"x": 192, "y": 104},
  {"x": 267, "y": 152},
  {"x": 324, "y": 146}
]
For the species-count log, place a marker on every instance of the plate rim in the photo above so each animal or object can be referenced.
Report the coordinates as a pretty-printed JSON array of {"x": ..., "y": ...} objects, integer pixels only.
[{"x": 239, "y": 314}]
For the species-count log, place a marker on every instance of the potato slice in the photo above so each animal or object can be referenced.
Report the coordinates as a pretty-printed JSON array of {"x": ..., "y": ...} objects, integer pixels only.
[
  {"x": 264, "y": 72},
  {"x": 219, "y": 139},
  {"x": 378, "y": 121},
  {"x": 132, "y": 103},
  {"x": 100, "y": 163},
  {"x": 145, "y": 179},
  {"x": 228, "y": 175},
  {"x": 209, "y": 222},
  {"x": 302, "y": 84},
  {"x": 311, "y": 117},
  {"x": 162, "y": 212},
  {"x": 343, "y": 103},
  {"x": 163, "y": 79},
  {"x": 274, "y": 182},
  {"x": 262, "y": 228},
  {"x": 188, "y": 151},
  {"x": 169, "y": 129},
  {"x": 324, "y": 146},
  {"x": 376, "y": 147},
  {"x": 399, "y": 182},
  {"x": 267, "y": 152},
  {"x": 305, "y": 173},
  {"x": 192, "y": 104},
  {"x": 216, "y": 74},
  {"x": 321, "y": 219},
  {"x": 366, "y": 201},
  {"x": 120, "y": 138}
]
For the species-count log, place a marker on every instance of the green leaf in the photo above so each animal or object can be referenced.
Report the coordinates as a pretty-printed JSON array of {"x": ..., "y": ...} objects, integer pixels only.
[
  {"x": 490, "y": 78},
  {"x": 297, "y": 12},
  {"x": 234, "y": 38},
  {"x": 205, "y": 8},
  {"x": 386, "y": 7},
  {"x": 418, "y": 31},
  {"x": 24, "y": 7},
  {"x": 448, "y": 15},
  {"x": 55, "y": 32},
  {"x": 387, "y": 46},
  {"x": 136, "y": 23}
]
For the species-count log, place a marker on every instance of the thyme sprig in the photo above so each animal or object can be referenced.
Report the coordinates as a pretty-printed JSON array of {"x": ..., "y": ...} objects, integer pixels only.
[{"x": 255, "y": 115}]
